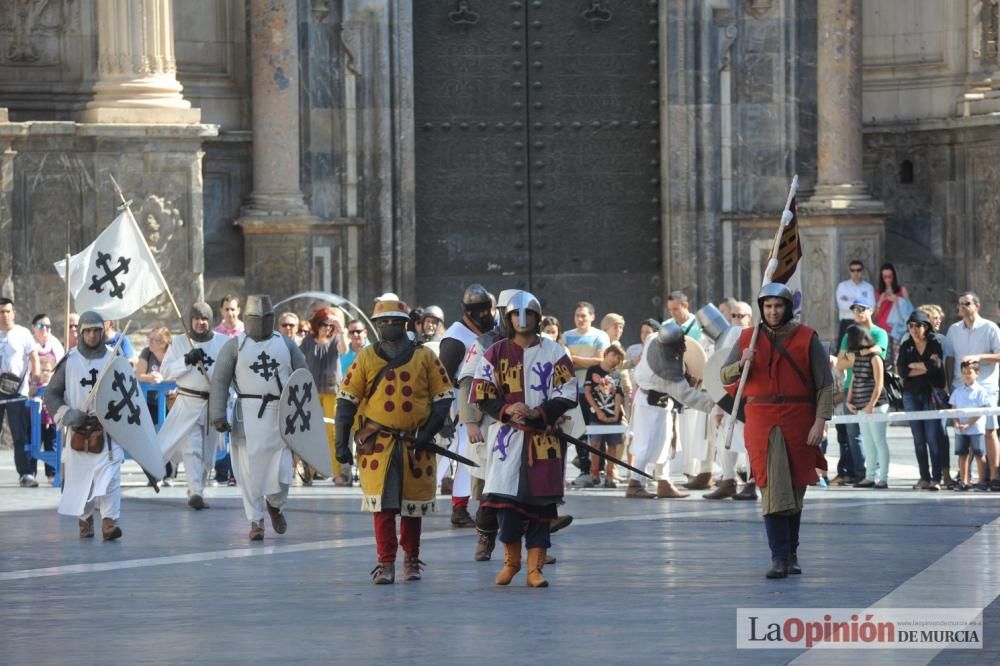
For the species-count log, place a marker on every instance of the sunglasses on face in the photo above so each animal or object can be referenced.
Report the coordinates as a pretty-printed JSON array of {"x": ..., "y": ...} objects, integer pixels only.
[
  {"x": 738, "y": 316},
  {"x": 303, "y": 331},
  {"x": 967, "y": 304},
  {"x": 858, "y": 309},
  {"x": 45, "y": 327},
  {"x": 356, "y": 332},
  {"x": 855, "y": 270}
]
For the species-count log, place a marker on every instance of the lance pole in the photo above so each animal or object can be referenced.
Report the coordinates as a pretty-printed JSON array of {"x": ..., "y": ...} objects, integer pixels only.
[{"x": 768, "y": 274}]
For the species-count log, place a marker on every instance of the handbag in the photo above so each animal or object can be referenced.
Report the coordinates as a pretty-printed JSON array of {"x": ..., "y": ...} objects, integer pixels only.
[
  {"x": 892, "y": 385},
  {"x": 10, "y": 384},
  {"x": 88, "y": 438},
  {"x": 939, "y": 399}
]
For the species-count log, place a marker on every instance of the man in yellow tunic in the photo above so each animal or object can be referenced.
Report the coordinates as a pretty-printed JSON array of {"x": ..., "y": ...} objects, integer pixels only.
[{"x": 395, "y": 396}]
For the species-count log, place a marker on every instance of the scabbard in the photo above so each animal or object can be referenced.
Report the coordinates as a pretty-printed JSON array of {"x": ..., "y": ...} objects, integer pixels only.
[{"x": 576, "y": 442}]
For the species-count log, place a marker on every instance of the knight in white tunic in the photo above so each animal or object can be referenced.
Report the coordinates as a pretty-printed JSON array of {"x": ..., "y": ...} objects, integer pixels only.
[
  {"x": 92, "y": 481},
  {"x": 256, "y": 363},
  {"x": 187, "y": 429}
]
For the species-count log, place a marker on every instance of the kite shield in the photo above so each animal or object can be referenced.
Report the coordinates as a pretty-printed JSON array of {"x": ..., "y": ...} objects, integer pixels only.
[
  {"x": 121, "y": 408},
  {"x": 300, "y": 422}
]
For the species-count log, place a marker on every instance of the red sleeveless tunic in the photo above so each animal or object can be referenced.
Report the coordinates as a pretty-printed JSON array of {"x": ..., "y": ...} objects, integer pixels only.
[{"x": 772, "y": 375}]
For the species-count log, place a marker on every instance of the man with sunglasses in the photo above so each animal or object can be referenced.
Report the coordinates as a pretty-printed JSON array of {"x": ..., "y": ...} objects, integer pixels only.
[
  {"x": 288, "y": 325},
  {"x": 357, "y": 339},
  {"x": 849, "y": 291},
  {"x": 974, "y": 338}
]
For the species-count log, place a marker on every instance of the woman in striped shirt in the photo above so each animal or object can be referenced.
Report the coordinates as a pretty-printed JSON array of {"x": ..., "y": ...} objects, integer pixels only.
[{"x": 866, "y": 395}]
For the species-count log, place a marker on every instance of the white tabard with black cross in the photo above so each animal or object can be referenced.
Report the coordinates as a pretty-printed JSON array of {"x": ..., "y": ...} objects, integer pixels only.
[
  {"x": 262, "y": 369},
  {"x": 87, "y": 475},
  {"x": 189, "y": 411}
]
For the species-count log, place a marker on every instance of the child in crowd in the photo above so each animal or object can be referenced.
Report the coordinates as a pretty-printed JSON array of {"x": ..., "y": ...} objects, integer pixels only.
[
  {"x": 970, "y": 440},
  {"x": 46, "y": 367},
  {"x": 603, "y": 393}
]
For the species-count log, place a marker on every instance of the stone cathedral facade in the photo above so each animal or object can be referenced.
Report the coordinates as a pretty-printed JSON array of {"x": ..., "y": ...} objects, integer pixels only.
[{"x": 607, "y": 150}]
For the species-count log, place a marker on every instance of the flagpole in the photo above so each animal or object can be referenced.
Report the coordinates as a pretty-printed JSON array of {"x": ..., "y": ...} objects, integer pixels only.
[
  {"x": 68, "y": 295},
  {"x": 768, "y": 274},
  {"x": 159, "y": 274}
]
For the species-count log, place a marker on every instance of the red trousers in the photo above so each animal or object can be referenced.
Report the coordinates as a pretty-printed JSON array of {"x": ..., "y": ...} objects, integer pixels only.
[{"x": 385, "y": 535}]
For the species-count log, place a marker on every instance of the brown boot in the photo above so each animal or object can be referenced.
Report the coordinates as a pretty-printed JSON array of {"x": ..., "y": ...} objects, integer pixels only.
[
  {"x": 560, "y": 522},
  {"x": 666, "y": 490},
  {"x": 109, "y": 529},
  {"x": 536, "y": 560},
  {"x": 412, "y": 567},
  {"x": 197, "y": 502},
  {"x": 747, "y": 492},
  {"x": 484, "y": 548},
  {"x": 511, "y": 563},
  {"x": 636, "y": 491},
  {"x": 384, "y": 573},
  {"x": 699, "y": 482},
  {"x": 278, "y": 521},
  {"x": 87, "y": 528},
  {"x": 257, "y": 530},
  {"x": 460, "y": 518},
  {"x": 725, "y": 490}
]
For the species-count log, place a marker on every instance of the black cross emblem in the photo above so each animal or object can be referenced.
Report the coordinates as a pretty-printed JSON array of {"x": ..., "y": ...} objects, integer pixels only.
[
  {"x": 110, "y": 275},
  {"x": 207, "y": 361},
  {"x": 127, "y": 392},
  {"x": 84, "y": 382},
  {"x": 293, "y": 400},
  {"x": 265, "y": 366}
]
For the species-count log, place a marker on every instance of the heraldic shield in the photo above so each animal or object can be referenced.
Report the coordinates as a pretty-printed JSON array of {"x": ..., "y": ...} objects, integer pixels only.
[
  {"x": 300, "y": 422},
  {"x": 121, "y": 409}
]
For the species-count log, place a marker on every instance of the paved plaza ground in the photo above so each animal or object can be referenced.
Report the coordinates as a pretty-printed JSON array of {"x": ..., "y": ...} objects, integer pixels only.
[{"x": 637, "y": 582}]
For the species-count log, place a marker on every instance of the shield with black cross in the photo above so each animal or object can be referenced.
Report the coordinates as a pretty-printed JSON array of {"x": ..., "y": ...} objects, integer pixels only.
[
  {"x": 300, "y": 422},
  {"x": 121, "y": 408}
]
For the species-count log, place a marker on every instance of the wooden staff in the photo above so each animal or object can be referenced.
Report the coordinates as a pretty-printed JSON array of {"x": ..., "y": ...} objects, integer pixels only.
[{"x": 768, "y": 274}]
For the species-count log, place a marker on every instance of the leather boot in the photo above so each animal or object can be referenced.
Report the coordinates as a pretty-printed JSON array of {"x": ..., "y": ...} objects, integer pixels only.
[
  {"x": 536, "y": 560},
  {"x": 511, "y": 563},
  {"x": 110, "y": 529},
  {"x": 747, "y": 492},
  {"x": 257, "y": 530},
  {"x": 560, "y": 522},
  {"x": 725, "y": 490},
  {"x": 460, "y": 518},
  {"x": 666, "y": 490},
  {"x": 411, "y": 567},
  {"x": 792, "y": 567},
  {"x": 484, "y": 547},
  {"x": 777, "y": 569},
  {"x": 636, "y": 491},
  {"x": 699, "y": 482},
  {"x": 197, "y": 502},
  {"x": 384, "y": 573},
  {"x": 87, "y": 528},
  {"x": 550, "y": 559},
  {"x": 278, "y": 521}
]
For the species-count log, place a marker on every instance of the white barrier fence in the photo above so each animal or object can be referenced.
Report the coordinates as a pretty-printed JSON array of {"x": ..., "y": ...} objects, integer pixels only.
[{"x": 903, "y": 417}]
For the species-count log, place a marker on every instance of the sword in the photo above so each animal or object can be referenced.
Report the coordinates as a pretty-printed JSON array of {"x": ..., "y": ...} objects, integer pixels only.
[
  {"x": 576, "y": 442},
  {"x": 430, "y": 446}
]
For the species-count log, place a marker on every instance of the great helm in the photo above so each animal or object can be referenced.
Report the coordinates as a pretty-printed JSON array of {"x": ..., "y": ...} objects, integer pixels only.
[
  {"x": 665, "y": 352},
  {"x": 713, "y": 323},
  {"x": 777, "y": 290},
  {"x": 258, "y": 316},
  {"x": 476, "y": 295},
  {"x": 388, "y": 306}
]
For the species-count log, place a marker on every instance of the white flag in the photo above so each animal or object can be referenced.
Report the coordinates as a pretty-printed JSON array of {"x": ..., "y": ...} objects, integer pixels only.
[{"x": 116, "y": 274}]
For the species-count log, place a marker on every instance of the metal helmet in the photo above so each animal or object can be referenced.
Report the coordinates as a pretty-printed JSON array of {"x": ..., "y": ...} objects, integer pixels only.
[
  {"x": 713, "y": 323},
  {"x": 90, "y": 319},
  {"x": 201, "y": 310},
  {"x": 258, "y": 317},
  {"x": 522, "y": 302},
  {"x": 388, "y": 306},
  {"x": 476, "y": 294},
  {"x": 433, "y": 311},
  {"x": 665, "y": 352},
  {"x": 777, "y": 290},
  {"x": 503, "y": 300}
]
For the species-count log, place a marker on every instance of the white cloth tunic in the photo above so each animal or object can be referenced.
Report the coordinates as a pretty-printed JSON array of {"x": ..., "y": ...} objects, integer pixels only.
[
  {"x": 262, "y": 368},
  {"x": 188, "y": 412},
  {"x": 87, "y": 475}
]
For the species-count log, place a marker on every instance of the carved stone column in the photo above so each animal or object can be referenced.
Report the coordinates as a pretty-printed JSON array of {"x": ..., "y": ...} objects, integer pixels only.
[
  {"x": 137, "y": 73},
  {"x": 840, "y": 181},
  {"x": 277, "y": 225}
]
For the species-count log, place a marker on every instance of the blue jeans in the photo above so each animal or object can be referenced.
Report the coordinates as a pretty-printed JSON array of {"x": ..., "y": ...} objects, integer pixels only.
[
  {"x": 928, "y": 437},
  {"x": 855, "y": 453}
]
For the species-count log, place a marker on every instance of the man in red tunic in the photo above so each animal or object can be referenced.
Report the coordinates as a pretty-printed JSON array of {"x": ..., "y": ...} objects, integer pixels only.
[{"x": 789, "y": 399}]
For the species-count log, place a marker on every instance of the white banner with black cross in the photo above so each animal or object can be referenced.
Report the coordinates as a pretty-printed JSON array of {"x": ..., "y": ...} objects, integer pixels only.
[{"x": 116, "y": 274}]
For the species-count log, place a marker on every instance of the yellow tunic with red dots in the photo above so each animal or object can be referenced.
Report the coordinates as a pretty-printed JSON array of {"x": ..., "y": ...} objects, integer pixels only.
[{"x": 402, "y": 401}]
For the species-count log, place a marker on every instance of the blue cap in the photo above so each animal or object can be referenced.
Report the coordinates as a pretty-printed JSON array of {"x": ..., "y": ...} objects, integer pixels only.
[{"x": 864, "y": 302}]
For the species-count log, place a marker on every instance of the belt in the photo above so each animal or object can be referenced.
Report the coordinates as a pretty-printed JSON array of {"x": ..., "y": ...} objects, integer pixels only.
[
  {"x": 778, "y": 399},
  {"x": 192, "y": 393},
  {"x": 264, "y": 399}
]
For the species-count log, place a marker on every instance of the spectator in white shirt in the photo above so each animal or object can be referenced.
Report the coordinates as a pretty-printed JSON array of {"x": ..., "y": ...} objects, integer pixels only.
[{"x": 851, "y": 290}]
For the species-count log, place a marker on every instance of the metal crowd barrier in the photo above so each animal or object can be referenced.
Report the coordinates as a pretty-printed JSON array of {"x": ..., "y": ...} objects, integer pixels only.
[{"x": 53, "y": 458}]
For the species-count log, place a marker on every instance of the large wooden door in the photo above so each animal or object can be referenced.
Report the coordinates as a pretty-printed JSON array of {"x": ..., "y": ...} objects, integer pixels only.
[{"x": 537, "y": 152}]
